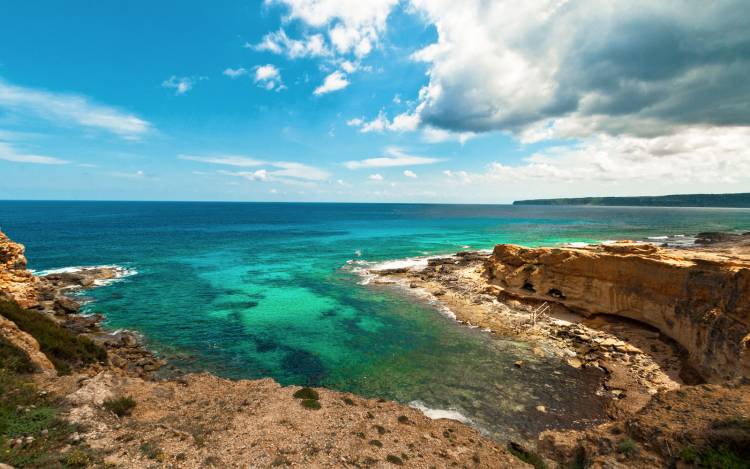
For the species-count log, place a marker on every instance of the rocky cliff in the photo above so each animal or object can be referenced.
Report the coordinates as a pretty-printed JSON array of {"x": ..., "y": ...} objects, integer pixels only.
[
  {"x": 701, "y": 301},
  {"x": 15, "y": 280}
]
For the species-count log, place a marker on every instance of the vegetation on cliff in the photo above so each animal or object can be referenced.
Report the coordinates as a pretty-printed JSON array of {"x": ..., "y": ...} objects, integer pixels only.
[
  {"x": 679, "y": 200},
  {"x": 32, "y": 432},
  {"x": 64, "y": 349}
]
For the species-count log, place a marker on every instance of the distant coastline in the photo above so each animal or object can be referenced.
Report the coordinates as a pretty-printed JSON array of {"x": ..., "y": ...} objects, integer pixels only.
[{"x": 678, "y": 200}]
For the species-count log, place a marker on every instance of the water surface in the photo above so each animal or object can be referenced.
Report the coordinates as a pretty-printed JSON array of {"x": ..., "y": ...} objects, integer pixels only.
[{"x": 256, "y": 290}]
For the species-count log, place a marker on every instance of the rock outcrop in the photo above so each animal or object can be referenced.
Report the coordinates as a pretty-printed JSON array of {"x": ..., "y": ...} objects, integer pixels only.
[
  {"x": 15, "y": 280},
  {"x": 700, "y": 301},
  {"x": 26, "y": 343}
]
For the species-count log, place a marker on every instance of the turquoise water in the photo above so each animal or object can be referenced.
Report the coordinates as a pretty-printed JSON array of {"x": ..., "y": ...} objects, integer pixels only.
[{"x": 256, "y": 290}]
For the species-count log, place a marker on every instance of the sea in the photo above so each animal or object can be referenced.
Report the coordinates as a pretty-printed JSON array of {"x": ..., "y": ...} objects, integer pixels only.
[{"x": 255, "y": 290}]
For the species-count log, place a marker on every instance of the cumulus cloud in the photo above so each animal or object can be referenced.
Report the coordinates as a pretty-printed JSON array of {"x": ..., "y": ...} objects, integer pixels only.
[
  {"x": 70, "y": 109},
  {"x": 268, "y": 77},
  {"x": 181, "y": 85},
  {"x": 410, "y": 174},
  {"x": 394, "y": 157},
  {"x": 375, "y": 177},
  {"x": 333, "y": 82},
  {"x": 643, "y": 68},
  {"x": 353, "y": 27},
  {"x": 278, "y": 42},
  {"x": 10, "y": 153}
]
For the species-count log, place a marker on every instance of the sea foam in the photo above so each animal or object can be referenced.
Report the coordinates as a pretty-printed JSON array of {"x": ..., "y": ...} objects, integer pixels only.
[{"x": 435, "y": 414}]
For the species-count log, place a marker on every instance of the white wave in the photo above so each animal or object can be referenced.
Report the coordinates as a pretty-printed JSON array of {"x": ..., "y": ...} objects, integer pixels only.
[
  {"x": 435, "y": 414},
  {"x": 408, "y": 263},
  {"x": 358, "y": 253},
  {"x": 658, "y": 237},
  {"x": 120, "y": 272},
  {"x": 577, "y": 244}
]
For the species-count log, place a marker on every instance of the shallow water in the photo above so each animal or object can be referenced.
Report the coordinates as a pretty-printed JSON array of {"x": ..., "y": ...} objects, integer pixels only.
[{"x": 254, "y": 290}]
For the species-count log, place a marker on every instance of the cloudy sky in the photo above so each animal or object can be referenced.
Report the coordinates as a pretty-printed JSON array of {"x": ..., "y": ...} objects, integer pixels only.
[{"x": 384, "y": 100}]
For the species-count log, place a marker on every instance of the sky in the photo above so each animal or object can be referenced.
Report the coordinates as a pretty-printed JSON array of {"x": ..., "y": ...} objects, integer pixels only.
[{"x": 381, "y": 101}]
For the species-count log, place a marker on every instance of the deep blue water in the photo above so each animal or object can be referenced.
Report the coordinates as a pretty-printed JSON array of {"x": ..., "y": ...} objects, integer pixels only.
[{"x": 249, "y": 290}]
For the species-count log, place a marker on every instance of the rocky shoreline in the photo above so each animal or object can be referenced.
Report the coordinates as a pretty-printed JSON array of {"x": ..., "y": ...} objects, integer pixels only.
[
  {"x": 659, "y": 408},
  {"x": 200, "y": 420},
  {"x": 659, "y": 322}
]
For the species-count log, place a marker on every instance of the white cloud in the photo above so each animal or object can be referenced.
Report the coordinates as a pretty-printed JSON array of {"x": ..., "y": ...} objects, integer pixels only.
[
  {"x": 434, "y": 135},
  {"x": 353, "y": 26},
  {"x": 396, "y": 157},
  {"x": 410, "y": 174},
  {"x": 268, "y": 77},
  {"x": 375, "y": 177},
  {"x": 622, "y": 67},
  {"x": 234, "y": 72},
  {"x": 701, "y": 157},
  {"x": 66, "y": 109},
  {"x": 299, "y": 171},
  {"x": 181, "y": 85},
  {"x": 404, "y": 122},
  {"x": 259, "y": 175},
  {"x": 281, "y": 171},
  {"x": 349, "y": 67},
  {"x": 333, "y": 82},
  {"x": 279, "y": 43},
  {"x": 9, "y": 153},
  {"x": 229, "y": 160}
]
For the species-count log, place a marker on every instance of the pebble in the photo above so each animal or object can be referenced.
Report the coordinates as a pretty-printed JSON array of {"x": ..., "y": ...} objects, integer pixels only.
[
  {"x": 574, "y": 362},
  {"x": 541, "y": 408}
]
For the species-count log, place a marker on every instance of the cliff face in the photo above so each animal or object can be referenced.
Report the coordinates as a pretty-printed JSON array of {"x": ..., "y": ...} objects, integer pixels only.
[
  {"x": 15, "y": 280},
  {"x": 700, "y": 301}
]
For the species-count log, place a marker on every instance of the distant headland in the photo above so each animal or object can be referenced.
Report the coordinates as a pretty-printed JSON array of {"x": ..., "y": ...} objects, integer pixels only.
[{"x": 678, "y": 200}]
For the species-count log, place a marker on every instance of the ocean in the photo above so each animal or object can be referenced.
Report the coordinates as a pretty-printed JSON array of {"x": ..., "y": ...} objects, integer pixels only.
[{"x": 251, "y": 290}]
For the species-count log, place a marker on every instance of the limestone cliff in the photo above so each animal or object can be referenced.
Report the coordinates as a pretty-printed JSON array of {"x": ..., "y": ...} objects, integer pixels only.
[
  {"x": 700, "y": 301},
  {"x": 15, "y": 280}
]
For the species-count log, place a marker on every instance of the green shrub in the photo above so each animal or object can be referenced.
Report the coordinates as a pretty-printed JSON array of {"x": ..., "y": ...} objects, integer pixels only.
[
  {"x": 393, "y": 459},
  {"x": 377, "y": 443},
  {"x": 151, "y": 451},
  {"x": 310, "y": 404},
  {"x": 721, "y": 457},
  {"x": 14, "y": 359},
  {"x": 626, "y": 446},
  {"x": 25, "y": 412},
  {"x": 77, "y": 457},
  {"x": 120, "y": 406},
  {"x": 307, "y": 393},
  {"x": 63, "y": 348}
]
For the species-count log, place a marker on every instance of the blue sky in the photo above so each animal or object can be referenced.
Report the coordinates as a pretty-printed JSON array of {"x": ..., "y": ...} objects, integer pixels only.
[{"x": 336, "y": 100}]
